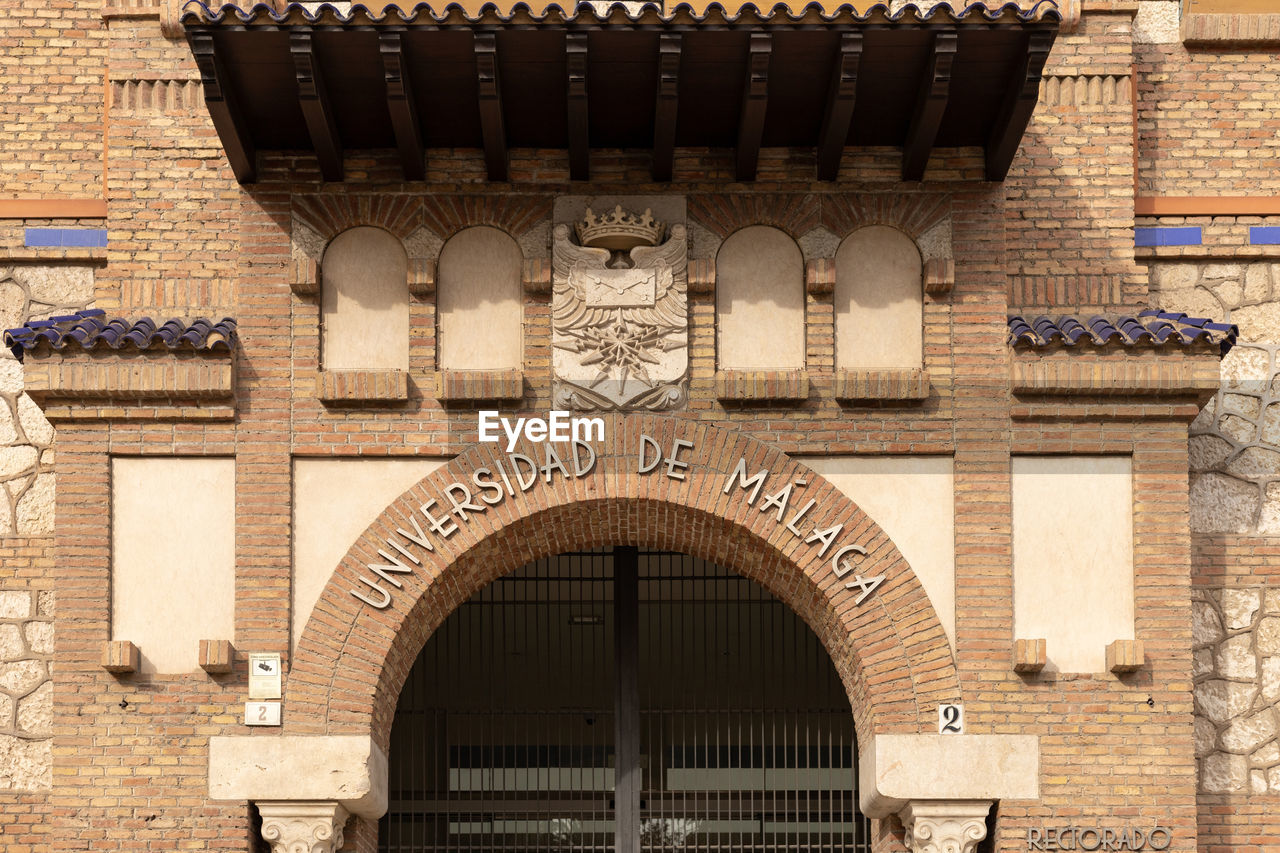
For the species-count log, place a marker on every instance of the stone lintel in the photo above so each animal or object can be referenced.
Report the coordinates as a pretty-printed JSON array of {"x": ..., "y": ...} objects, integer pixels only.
[
  {"x": 895, "y": 769},
  {"x": 349, "y": 770}
]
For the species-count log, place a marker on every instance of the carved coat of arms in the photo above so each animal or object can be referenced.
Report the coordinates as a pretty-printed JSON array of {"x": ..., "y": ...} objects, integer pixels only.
[{"x": 620, "y": 323}]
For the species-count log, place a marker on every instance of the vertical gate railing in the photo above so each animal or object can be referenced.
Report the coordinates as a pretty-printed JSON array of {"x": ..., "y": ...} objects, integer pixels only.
[{"x": 506, "y": 737}]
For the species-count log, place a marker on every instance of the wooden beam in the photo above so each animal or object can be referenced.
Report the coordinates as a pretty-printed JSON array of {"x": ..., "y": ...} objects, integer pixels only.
[
  {"x": 1019, "y": 103},
  {"x": 664, "y": 114},
  {"x": 401, "y": 106},
  {"x": 224, "y": 109},
  {"x": 575, "y": 47},
  {"x": 492, "y": 126},
  {"x": 755, "y": 102},
  {"x": 931, "y": 103},
  {"x": 313, "y": 97},
  {"x": 841, "y": 97}
]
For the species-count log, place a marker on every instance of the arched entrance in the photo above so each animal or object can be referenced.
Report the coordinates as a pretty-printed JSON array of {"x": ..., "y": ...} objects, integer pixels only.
[
  {"x": 658, "y": 483},
  {"x": 624, "y": 700}
]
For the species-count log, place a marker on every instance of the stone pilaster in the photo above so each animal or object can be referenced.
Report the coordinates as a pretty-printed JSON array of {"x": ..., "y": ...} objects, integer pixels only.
[
  {"x": 945, "y": 826},
  {"x": 299, "y": 826}
]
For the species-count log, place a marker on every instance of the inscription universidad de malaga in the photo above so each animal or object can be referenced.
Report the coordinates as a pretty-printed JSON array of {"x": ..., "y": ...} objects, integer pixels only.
[{"x": 516, "y": 474}]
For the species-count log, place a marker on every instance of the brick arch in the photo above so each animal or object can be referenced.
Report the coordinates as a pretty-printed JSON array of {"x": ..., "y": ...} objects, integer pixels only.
[{"x": 891, "y": 651}]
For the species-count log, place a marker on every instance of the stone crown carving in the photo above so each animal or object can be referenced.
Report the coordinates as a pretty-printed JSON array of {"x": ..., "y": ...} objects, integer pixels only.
[{"x": 619, "y": 230}]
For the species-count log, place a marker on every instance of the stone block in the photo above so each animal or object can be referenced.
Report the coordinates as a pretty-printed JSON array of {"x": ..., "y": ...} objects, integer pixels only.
[
  {"x": 11, "y": 645},
  {"x": 1206, "y": 625},
  {"x": 35, "y": 508},
  {"x": 1248, "y": 733},
  {"x": 349, "y": 769},
  {"x": 1223, "y": 504},
  {"x": 896, "y": 768},
  {"x": 1237, "y": 660},
  {"x": 21, "y": 677},
  {"x": 15, "y": 604},
  {"x": 1223, "y": 773},
  {"x": 25, "y": 765},
  {"x": 1221, "y": 701},
  {"x": 1029, "y": 655},
  {"x": 217, "y": 657},
  {"x": 35, "y": 711},
  {"x": 1238, "y": 607},
  {"x": 120, "y": 656},
  {"x": 39, "y": 637},
  {"x": 1125, "y": 656}
]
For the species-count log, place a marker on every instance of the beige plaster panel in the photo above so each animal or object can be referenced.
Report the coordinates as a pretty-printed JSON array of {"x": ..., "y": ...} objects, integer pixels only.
[
  {"x": 913, "y": 499},
  {"x": 878, "y": 301},
  {"x": 480, "y": 301},
  {"x": 334, "y": 501},
  {"x": 365, "y": 302},
  {"x": 172, "y": 559},
  {"x": 349, "y": 769},
  {"x": 1073, "y": 556},
  {"x": 896, "y": 768},
  {"x": 760, "y": 301}
]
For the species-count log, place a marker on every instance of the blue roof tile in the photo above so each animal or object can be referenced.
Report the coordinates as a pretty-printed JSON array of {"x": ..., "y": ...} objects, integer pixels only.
[
  {"x": 91, "y": 328},
  {"x": 1153, "y": 327}
]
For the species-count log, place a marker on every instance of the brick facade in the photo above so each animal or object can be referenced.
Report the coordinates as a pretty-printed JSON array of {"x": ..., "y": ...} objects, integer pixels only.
[{"x": 98, "y": 106}]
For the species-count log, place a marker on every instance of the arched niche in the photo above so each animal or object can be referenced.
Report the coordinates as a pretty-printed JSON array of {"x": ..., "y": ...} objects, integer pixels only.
[
  {"x": 479, "y": 301},
  {"x": 365, "y": 302},
  {"x": 760, "y": 301},
  {"x": 878, "y": 301}
]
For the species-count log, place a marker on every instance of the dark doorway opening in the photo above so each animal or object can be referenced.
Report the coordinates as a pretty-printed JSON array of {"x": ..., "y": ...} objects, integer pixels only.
[{"x": 623, "y": 700}]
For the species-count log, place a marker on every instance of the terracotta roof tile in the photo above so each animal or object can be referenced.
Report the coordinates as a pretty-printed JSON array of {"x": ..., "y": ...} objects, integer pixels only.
[
  {"x": 194, "y": 11},
  {"x": 91, "y": 328},
  {"x": 1153, "y": 327}
]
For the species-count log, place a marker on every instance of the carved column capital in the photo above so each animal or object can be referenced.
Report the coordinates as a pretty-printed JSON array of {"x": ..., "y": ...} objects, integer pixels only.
[
  {"x": 300, "y": 826},
  {"x": 945, "y": 826}
]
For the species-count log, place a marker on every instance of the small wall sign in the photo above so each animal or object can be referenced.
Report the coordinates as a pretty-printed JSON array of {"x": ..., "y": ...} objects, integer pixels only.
[
  {"x": 264, "y": 676},
  {"x": 262, "y": 713},
  {"x": 950, "y": 719}
]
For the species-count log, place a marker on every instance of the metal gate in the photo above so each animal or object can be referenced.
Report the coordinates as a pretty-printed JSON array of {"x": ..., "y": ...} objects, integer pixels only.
[{"x": 625, "y": 701}]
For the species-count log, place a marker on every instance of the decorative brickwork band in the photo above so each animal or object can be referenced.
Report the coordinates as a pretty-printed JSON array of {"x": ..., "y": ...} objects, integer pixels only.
[
  {"x": 479, "y": 385},
  {"x": 881, "y": 385},
  {"x": 1097, "y": 376},
  {"x": 1098, "y": 90},
  {"x": 130, "y": 378},
  {"x": 945, "y": 826},
  {"x": 772, "y": 385},
  {"x": 302, "y": 827},
  {"x": 356, "y": 387}
]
